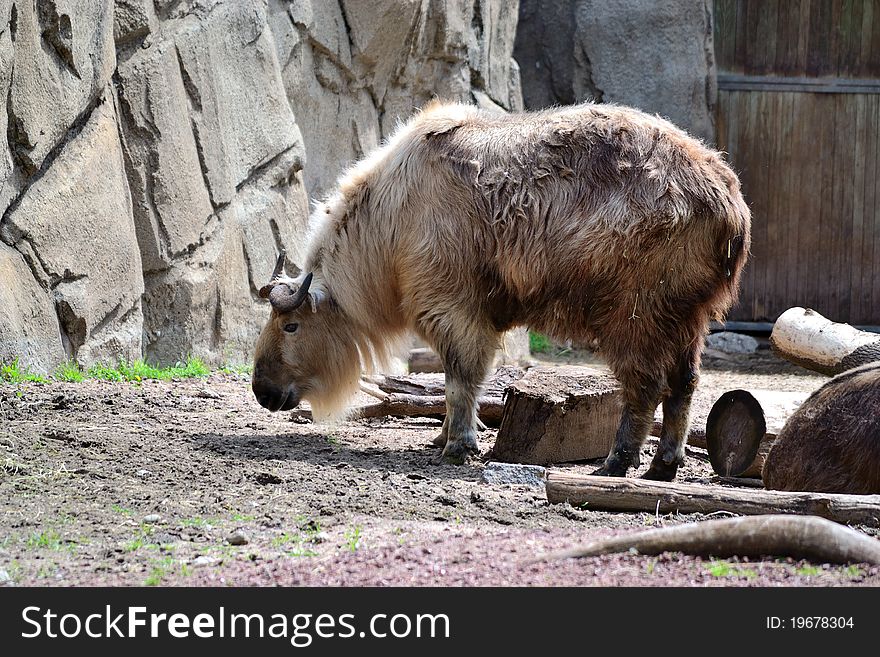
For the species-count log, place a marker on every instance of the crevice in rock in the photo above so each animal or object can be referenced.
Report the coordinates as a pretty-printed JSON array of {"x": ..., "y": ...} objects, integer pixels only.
[
  {"x": 146, "y": 133},
  {"x": 112, "y": 316},
  {"x": 254, "y": 288},
  {"x": 194, "y": 99},
  {"x": 57, "y": 31},
  {"x": 16, "y": 135},
  {"x": 264, "y": 166},
  {"x": 13, "y": 23},
  {"x": 72, "y": 327},
  {"x": 590, "y": 85}
]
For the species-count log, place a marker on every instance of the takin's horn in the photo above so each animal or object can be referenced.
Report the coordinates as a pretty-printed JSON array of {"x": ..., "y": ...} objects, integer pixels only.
[
  {"x": 284, "y": 300},
  {"x": 279, "y": 265}
]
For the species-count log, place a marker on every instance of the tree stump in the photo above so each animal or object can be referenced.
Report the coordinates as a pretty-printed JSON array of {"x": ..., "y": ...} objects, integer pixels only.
[
  {"x": 742, "y": 427},
  {"x": 558, "y": 415}
]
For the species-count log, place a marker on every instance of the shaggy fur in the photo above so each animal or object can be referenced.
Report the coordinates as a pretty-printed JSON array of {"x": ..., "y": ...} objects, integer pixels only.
[
  {"x": 591, "y": 221},
  {"x": 832, "y": 442}
]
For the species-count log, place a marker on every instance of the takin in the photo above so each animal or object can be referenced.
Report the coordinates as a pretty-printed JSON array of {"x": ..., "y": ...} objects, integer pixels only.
[{"x": 583, "y": 222}]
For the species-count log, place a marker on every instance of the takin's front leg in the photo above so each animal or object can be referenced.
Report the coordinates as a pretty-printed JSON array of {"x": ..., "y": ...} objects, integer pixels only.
[{"x": 465, "y": 369}]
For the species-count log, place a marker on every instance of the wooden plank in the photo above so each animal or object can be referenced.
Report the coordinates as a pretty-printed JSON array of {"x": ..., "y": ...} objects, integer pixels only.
[
  {"x": 849, "y": 54},
  {"x": 828, "y": 85},
  {"x": 852, "y": 273},
  {"x": 875, "y": 255},
  {"x": 803, "y": 37},
  {"x": 787, "y": 40},
  {"x": 819, "y": 41},
  {"x": 846, "y": 177},
  {"x": 624, "y": 494},
  {"x": 864, "y": 60},
  {"x": 765, "y": 30},
  {"x": 725, "y": 34},
  {"x": 741, "y": 38},
  {"x": 871, "y": 50},
  {"x": 872, "y": 212}
]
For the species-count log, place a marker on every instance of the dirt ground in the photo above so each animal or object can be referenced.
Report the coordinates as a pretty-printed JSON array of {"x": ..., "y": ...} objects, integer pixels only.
[{"x": 193, "y": 483}]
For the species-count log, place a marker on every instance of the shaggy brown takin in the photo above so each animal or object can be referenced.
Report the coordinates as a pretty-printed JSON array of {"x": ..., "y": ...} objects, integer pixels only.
[{"x": 590, "y": 221}]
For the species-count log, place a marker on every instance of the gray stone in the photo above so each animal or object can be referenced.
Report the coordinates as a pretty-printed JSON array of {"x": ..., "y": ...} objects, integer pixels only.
[
  {"x": 152, "y": 518},
  {"x": 732, "y": 343},
  {"x": 657, "y": 56},
  {"x": 514, "y": 473},
  {"x": 75, "y": 229},
  {"x": 238, "y": 537},
  {"x": 4, "y": 577},
  {"x": 239, "y": 110},
  {"x": 133, "y": 19},
  {"x": 63, "y": 57},
  {"x": 171, "y": 203},
  {"x": 28, "y": 324}
]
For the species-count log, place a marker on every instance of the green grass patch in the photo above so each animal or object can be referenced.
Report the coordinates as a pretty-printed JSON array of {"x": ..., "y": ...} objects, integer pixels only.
[
  {"x": 47, "y": 539},
  {"x": 14, "y": 372},
  {"x": 353, "y": 538},
  {"x": 161, "y": 568},
  {"x": 233, "y": 368},
  {"x": 727, "y": 569},
  {"x": 70, "y": 372},
  {"x": 853, "y": 571},
  {"x": 135, "y": 371},
  {"x": 808, "y": 571},
  {"x": 539, "y": 343}
]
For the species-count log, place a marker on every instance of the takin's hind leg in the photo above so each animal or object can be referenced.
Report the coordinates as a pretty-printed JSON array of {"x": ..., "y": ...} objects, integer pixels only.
[
  {"x": 638, "y": 416},
  {"x": 443, "y": 436},
  {"x": 682, "y": 381}
]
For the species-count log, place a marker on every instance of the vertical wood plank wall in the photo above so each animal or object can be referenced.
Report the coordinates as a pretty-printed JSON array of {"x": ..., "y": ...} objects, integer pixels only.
[{"x": 809, "y": 160}]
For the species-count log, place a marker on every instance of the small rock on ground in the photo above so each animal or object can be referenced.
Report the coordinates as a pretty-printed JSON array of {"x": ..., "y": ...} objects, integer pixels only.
[
  {"x": 237, "y": 538},
  {"x": 152, "y": 519},
  {"x": 514, "y": 473},
  {"x": 729, "y": 342}
]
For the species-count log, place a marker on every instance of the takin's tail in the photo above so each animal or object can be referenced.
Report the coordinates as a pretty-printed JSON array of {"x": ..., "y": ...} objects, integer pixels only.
[{"x": 733, "y": 250}]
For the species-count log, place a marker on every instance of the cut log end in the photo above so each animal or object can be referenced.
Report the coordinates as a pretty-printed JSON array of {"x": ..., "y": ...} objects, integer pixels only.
[{"x": 734, "y": 431}]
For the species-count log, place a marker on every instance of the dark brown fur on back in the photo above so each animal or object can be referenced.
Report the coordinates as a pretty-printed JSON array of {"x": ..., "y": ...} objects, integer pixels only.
[{"x": 832, "y": 443}]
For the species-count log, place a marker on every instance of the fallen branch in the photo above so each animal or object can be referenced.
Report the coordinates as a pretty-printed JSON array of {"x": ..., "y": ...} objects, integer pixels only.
[
  {"x": 625, "y": 494},
  {"x": 810, "y": 340},
  {"x": 816, "y": 539},
  {"x": 401, "y": 405}
]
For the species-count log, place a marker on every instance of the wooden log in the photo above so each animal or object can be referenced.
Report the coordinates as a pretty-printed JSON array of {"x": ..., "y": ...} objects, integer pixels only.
[
  {"x": 623, "y": 494},
  {"x": 429, "y": 383},
  {"x": 742, "y": 426},
  {"x": 832, "y": 442},
  {"x": 816, "y": 539},
  {"x": 424, "y": 359},
  {"x": 808, "y": 339},
  {"x": 557, "y": 415},
  {"x": 403, "y": 405}
]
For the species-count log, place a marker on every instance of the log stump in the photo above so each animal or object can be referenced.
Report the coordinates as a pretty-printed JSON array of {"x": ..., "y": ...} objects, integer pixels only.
[
  {"x": 558, "y": 415},
  {"x": 742, "y": 427}
]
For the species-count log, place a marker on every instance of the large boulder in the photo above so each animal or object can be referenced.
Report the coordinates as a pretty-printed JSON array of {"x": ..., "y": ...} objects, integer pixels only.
[
  {"x": 159, "y": 153},
  {"x": 657, "y": 56},
  {"x": 75, "y": 228},
  {"x": 354, "y": 69}
]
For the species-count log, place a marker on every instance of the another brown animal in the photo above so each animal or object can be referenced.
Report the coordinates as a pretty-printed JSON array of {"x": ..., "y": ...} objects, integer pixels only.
[
  {"x": 832, "y": 442},
  {"x": 590, "y": 221}
]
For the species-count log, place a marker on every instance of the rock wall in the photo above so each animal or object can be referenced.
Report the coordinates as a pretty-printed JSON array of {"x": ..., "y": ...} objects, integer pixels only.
[
  {"x": 159, "y": 153},
  {"x": 657, "y": 56}
]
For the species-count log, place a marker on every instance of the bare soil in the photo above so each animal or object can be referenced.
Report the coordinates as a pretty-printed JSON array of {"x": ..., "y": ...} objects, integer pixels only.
[{"x": 193, "y": 483}]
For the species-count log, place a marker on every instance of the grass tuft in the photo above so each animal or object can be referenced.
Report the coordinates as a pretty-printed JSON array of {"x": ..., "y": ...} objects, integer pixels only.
[
  {"x": 14, "y": 372},
  {"x": 539, "y": 343}
]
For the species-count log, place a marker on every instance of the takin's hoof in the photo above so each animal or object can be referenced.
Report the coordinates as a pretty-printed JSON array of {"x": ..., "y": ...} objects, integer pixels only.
[
  {"x": 457, "y": 453},
  {"x": 615, "y": 466},
  {"x": 661, "y": 471},
  {"x": 440, "y": 440}
]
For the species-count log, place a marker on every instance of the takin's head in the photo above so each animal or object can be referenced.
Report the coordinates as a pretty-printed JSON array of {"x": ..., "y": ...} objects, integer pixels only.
[{"x": 306, "y": 350}]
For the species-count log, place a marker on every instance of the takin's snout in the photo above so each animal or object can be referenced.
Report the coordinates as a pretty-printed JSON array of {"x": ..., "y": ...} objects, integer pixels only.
[{"x": 274, "y": 397}]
